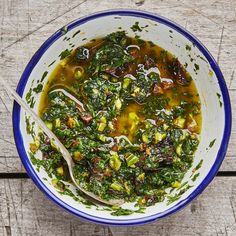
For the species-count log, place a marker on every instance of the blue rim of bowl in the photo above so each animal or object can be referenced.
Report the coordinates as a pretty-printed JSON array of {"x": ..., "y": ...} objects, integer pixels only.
[{"x": 142, "y": 220}]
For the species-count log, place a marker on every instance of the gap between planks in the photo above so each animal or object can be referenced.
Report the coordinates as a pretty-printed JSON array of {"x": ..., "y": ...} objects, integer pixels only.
[{"x": 19, "y": 175}]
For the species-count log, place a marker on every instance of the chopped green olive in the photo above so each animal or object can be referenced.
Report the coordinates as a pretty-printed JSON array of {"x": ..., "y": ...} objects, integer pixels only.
[
  {"x": 103, "y": 120},
  {"x": 102, "y": 138},
  {"x": 179, "y": 150},
  {"x": 71, "y": 122},
  {"x": 118, "y": 104},
  {"x": 141, "y": 177},
  {"x": 115, "y": 162},
  {"x": 35, "y": 146},
  {"x": 101, "y": 126},
  {"x": 127, "y": 188},
  {"x": 116, "y": 186},
  {"x": 77, "y": 156},
  {"x": 145, "y": 138},
  {"x": 131, "y": 159},
  {"x": 126, "y": 83},
  {"x": 60, "y": 171},
  {"x": 49, "y": 124},
  {"x": 57, "y": 123},
  {"x": 159, "y": 137},
  {"x": 179, "y": 122},
  {"x": 176, "y": 184}
]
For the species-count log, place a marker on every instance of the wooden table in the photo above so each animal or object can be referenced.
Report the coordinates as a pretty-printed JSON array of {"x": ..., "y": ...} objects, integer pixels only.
[{"x": 24, "y": 26}]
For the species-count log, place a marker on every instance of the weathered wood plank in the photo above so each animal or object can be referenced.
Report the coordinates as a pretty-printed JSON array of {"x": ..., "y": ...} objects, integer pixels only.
[
  {"x": 24, "y": 210},
  {"x": 23, "y": 28},
  {"x": 22, "y": 18}
]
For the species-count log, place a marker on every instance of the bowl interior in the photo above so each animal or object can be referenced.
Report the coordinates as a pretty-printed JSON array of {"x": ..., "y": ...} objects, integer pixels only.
[{"x": 208, "y": 80}]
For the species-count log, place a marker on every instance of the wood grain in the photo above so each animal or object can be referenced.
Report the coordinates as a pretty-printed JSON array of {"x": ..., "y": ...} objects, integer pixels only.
[
  {"x": 25, "y": 25},
  {"x": 24, "y": 210}
]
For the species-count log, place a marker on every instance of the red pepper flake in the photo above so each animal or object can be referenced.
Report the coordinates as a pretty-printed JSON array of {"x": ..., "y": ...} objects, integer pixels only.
[
  {"x": 87, "y": 118},
  {"x": 157, "y": 89},
  {"x": 75, "y": 142},
  {"x": 107, "y": 173},
  {"x": 134, "y": 52},
  {"x": 167, "y": 85},
  {"x": 115, "y": 148}
]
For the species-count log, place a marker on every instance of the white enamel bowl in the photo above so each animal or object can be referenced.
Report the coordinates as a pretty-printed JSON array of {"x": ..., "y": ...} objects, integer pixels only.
[{"x": 216, "y": 109}]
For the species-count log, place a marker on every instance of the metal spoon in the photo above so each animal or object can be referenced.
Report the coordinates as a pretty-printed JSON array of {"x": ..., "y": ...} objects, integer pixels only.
[
  {"x": 86, "y": 117},
  {"x": 56, "y": 141},
  {"x": 70, "y": 96}
]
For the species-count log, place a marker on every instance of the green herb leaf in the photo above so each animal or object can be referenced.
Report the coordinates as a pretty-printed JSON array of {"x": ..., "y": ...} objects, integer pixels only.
[{"x": 212, "y": 143}]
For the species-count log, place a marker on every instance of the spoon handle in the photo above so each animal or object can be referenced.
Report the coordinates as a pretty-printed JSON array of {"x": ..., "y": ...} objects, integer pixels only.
[
  {"x": 38, "y": 120},
  {"x": 57, "y": 142}
]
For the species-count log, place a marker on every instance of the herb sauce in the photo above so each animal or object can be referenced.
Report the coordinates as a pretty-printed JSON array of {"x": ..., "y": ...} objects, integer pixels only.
[{"x": 140, "y": 126}]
